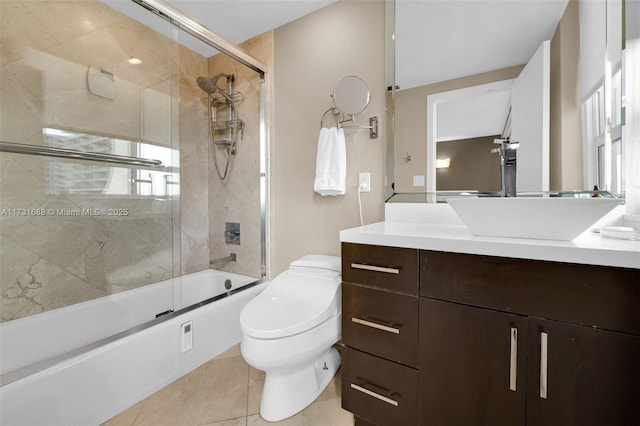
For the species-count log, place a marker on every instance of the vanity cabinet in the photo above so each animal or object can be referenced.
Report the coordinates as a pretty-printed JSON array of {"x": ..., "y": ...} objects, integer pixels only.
[
  {"x": 472, "y": 371},
  {"x": 488, "y": 340},
  {"x": 514, "y": 341},
  {"x": 380, "y": 334}
]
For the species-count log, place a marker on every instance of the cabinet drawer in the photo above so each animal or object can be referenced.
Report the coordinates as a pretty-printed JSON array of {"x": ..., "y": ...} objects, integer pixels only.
[
  {"x": 601, "y": 296},
  {"x": 381, "y": 322},
  {"x": 379, "y": 391},
  {"x": 391, "y": 268}
]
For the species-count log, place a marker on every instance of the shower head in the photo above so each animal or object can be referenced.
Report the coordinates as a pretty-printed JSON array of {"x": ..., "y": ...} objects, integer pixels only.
[{"x": 210, "y": 85}]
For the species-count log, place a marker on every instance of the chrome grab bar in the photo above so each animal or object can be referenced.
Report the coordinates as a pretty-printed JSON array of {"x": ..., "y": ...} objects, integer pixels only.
[
  {"x": 231, "y": 258},
  {"x": 19, "y": 148}
]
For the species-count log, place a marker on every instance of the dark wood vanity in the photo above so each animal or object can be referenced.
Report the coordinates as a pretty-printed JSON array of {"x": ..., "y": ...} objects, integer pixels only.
[{"x": 440, "y": 338}]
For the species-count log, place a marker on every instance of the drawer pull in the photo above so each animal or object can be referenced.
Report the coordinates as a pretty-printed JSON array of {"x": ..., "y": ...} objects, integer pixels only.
[
  {"x": 513, "y": 364},
  {"x": 371, "y": 324},
  {"x": 544, "y": 341},
  {"x": 374, "y": 394},
  {"x": 375, "y": 268}
]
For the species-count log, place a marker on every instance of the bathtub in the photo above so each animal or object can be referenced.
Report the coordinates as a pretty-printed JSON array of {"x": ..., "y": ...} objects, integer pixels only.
[{"x": 83, "y": 364}]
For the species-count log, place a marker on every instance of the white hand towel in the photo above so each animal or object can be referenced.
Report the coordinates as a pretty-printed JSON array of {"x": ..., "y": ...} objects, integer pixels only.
[{"x": 331, "y": 162}]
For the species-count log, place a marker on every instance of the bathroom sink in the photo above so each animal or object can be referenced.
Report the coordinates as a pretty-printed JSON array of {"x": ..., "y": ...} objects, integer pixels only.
[{"x": 546, "y": 218}]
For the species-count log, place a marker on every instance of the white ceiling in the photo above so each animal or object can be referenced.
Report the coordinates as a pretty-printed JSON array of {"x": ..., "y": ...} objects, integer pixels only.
[
  {"x": 235, "y": 20},
  {"x": 474, "y": 116},
  {"x": 438, "y": 40}
]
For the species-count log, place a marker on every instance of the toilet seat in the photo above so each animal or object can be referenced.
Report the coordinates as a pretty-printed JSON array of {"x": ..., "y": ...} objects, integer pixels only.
[{"x": 296, "y": 301}]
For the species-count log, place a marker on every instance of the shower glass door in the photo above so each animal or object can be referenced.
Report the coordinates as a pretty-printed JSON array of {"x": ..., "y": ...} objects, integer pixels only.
[{"x": 79, "y": 78}]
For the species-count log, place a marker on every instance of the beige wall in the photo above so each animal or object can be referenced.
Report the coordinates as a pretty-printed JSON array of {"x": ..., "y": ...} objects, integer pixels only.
[
  {"x": 565, "y": 139},
  {"x": 411, "y": 123},
  {"x": 473, "y": 166},
  {"x": 311, "y": 55}
]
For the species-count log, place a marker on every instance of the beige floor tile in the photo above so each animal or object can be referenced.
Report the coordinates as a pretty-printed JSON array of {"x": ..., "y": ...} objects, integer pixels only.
[
  {"x": 256, "y": 383},
  {"x": 226, "y": 391},
  {"x": 234, "y": 351},
  {"x": 327, "y": 413},
  {"x": 242, "y": 421}
]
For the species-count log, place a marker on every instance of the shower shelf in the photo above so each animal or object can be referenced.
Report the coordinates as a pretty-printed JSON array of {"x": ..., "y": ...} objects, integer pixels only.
[
  {"x": 225, "y": 124},
  {"x": 219, "y": 101}
]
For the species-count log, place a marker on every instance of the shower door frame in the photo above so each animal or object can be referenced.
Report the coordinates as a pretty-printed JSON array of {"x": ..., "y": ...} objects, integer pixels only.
[{"x": 191, "y": 26}]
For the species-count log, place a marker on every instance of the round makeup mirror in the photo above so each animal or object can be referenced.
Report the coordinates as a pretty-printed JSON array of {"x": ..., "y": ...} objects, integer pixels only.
[{"x": 351, "y": 95}]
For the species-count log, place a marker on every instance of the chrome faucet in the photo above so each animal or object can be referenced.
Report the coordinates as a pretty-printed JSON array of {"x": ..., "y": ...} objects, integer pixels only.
[{"x": 508, "y": 161}]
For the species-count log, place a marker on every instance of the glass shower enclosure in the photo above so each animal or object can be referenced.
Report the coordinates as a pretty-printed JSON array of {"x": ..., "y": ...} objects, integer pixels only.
[
  {"x": 106, "y": 171},
  {"x": 90, "y": 173}
]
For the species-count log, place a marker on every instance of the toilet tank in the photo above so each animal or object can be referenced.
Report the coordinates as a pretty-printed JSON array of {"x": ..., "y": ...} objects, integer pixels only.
[{"x": 318, "y": 261}]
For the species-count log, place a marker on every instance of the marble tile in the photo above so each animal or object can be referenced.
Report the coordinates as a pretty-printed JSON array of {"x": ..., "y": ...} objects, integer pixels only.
[
  {"x": 31, "y": 284},
  {"x": 256, "y": 384},
  {"x": 18, "y": 19},
  {"x": 215, "y": 393},
  {"x": 242, "y": 421}
]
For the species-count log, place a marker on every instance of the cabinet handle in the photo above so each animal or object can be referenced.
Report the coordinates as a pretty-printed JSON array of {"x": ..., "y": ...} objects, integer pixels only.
[
  {"x": 375, "y": 394},
  {"x": 371, "y": 324},
  {"x": 375, "y": 268},
  {"x": 513, "y": 364},
  {"x": 544, "y": 342}
]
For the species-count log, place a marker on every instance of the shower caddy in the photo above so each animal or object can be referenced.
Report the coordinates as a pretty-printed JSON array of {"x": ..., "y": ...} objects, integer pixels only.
[{"x": 225, "y": 123}]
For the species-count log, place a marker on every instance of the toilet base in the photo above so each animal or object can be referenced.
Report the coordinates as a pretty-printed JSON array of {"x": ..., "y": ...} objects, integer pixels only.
[{"x": 286, "y": 393}]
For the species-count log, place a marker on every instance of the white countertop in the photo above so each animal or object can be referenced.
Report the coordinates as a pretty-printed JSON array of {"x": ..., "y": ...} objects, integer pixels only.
[{"x": 589, "y": 248}]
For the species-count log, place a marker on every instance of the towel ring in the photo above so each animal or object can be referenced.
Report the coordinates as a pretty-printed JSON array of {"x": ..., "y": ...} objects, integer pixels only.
[{"x": 336, "y": 112}]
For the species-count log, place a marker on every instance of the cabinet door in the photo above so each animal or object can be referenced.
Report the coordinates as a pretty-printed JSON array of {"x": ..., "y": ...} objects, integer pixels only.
[
  {"x": 472, "y": 365},
  {"x": 582, "y": 376}
]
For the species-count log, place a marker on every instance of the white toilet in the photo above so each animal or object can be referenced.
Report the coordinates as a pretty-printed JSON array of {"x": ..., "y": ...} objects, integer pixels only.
[{"x": 288, "y": 331}]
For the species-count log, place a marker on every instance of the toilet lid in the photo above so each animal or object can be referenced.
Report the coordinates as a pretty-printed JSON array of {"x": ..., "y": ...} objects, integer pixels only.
[{"x": 292, "y": 303}]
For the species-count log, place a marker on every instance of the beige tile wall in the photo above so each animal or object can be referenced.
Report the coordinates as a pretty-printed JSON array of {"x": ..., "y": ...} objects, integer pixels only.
[
  {"x": 237, "y": 198},
  {"x": 52, "y": 261}
]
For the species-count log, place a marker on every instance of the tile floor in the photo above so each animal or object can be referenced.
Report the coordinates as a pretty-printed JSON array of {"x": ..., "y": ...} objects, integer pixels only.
[{"x": 226, "y": 391}]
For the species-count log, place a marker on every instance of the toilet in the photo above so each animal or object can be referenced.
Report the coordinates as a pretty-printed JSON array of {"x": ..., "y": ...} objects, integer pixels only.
[{"x": 288, "y": 331}]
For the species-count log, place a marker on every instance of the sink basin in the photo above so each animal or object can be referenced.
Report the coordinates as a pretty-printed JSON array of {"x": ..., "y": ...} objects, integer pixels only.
[{"x": 531, "y": 217}]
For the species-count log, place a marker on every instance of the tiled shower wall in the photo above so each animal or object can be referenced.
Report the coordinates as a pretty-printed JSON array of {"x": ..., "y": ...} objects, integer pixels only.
[
  {"x": 48, "y": 261},
  {"x": 208, "y": 202},
  {"x": 51, "y": 253},
  {"x": 237, "y": 198}
]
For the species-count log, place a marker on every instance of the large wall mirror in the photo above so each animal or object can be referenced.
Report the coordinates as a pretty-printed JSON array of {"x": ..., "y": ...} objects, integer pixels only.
[{"x": 545, "y": 73}]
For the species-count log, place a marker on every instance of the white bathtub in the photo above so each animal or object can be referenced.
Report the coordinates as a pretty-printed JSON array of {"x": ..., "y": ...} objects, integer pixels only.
[{"x": 95, "y": 381}]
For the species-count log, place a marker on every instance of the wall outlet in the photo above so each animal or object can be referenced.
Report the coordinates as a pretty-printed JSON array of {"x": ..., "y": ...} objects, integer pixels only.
[
  {"x": 186, "y": 336},
  {"x": 364, "y": 182}
]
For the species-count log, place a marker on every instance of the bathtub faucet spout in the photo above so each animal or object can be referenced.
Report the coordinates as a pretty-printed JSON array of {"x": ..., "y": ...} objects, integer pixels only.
[{"x": 230, "y": 258}]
